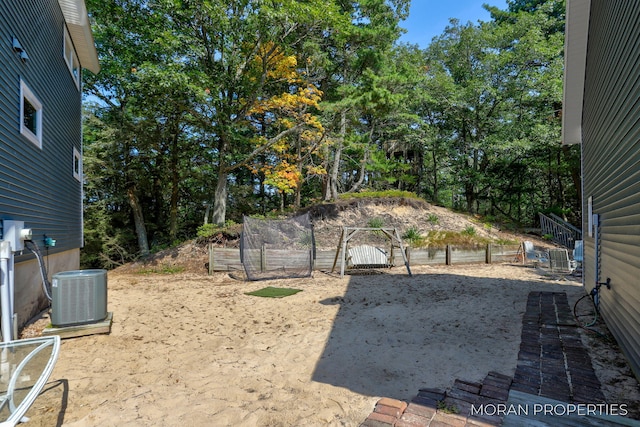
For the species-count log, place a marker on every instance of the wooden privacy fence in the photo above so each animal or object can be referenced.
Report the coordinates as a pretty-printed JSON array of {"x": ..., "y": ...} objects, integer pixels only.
[{"x": 228, "y": 259}]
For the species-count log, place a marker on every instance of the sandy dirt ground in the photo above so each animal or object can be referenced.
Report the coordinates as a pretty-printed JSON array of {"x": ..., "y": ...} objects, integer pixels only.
[{"x": 195, "y": 350}]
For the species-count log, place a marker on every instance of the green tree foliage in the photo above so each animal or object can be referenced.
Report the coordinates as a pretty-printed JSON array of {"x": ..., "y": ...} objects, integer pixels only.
[
  {"x": 495, "y": 98},
  {"x": 207, "y": 110}
]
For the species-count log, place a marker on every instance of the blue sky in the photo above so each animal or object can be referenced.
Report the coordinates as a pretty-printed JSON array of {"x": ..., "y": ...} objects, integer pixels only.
[{"x": 428, "y": 18}]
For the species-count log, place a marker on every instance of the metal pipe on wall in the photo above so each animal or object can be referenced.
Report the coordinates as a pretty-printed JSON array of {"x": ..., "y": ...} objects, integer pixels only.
[
  {"x": 6, "y": 300},
  {"x": 596, "y": 251}
]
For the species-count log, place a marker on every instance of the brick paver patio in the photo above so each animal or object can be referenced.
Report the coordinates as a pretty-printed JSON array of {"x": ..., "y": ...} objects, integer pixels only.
[{"x": 552, "y": 363}]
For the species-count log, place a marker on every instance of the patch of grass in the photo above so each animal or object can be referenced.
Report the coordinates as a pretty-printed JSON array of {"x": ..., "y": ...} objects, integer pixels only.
[
  {"x": 447, "y": 409},
  {"x": 380, "y": 194},
  {"x": 163, "y": 269},
  {"x": 458, "y": 238},
  {"x": 433, "y": 219},
  {"x": 469, "y": 231},
  {"x": 375, "y": 223}
]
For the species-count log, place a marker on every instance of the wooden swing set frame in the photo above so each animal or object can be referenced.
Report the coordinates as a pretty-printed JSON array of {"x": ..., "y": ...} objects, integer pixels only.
[{"x": 368, "y": 256}]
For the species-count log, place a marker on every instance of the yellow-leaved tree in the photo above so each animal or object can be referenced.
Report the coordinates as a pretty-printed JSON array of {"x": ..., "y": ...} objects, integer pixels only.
[{"x": 285, "y": 164}]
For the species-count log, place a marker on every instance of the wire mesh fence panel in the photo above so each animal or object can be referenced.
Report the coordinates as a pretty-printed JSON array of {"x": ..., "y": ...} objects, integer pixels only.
[{"x": 277, "y": 249}]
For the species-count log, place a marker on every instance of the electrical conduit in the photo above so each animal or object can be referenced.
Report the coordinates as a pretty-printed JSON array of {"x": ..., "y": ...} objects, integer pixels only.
[{"x": 46, "y": 286}]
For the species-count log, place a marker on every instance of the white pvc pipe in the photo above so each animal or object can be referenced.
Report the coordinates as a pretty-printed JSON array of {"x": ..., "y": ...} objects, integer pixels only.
[
  {"x": 596, "y": 252},
  {"x": 5, "y": 293},
  {"x": 12, "y": 292}
]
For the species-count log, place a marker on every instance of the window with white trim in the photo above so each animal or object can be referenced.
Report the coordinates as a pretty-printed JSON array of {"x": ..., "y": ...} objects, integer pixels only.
[
  {"x": 30, "y": 115},
  {"x": 71, "y": 58},
  {"x": 77, "y": 165}
]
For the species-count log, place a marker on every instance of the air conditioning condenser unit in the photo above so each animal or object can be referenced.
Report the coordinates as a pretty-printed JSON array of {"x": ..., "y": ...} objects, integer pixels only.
[{"x": 78, "y": 297}]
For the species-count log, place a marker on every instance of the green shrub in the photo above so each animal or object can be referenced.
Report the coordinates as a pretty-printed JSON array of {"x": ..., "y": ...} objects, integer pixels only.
[
  {"x": 413, "y": 236},
  {"x": 433, "y": 219},
  {"x": 375, "y": 223},
  {"x": 469, "y": 231},
  {"x": 208, "y": 230}
]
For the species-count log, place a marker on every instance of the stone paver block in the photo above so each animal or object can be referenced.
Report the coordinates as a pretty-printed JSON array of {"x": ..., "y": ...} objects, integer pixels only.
[
  {"x": 462, "y": 407},
  {"x": 452, "y": 420},
  {"x": 412, "y": 420},
  {"x": 385, "y": 420},
  {"x": 467, "y": 386},
  {"x": 529, "y": 371},
  {"x": 388, "y": 410},
  {"x": 425, "y": 401},
  {"x": 525, "y": 388},
  {"x": 421, "y": 410},
  {"x": 484, "y": 421},
  {"x": 498, "y": 376},
  {"x": 462, "y": 395},
  {"x": 500, "y": 393},
  {"x": 373, "y": 423},
  {"x": 394, "y": 403}
]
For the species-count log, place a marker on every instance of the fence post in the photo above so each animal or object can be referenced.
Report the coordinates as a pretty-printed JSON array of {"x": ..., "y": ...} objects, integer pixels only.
[
  {"x": 448, "y": 260},
  {"x": 211, "y": 269},
  {"x": 263, "y": 259},
  {"x": 489, "y": 254}
]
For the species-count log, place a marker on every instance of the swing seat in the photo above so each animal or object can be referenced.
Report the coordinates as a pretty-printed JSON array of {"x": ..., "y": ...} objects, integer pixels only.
[{"x": 366, "y": 256}]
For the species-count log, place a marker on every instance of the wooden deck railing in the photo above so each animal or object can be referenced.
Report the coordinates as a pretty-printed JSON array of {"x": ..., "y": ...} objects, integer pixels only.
[{"x": 561, "y": 231}]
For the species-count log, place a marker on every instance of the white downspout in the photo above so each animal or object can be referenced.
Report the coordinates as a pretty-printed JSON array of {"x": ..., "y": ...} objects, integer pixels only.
[
  {"x": 6, "y": 300},
  {"x": 12, "y": 296}
]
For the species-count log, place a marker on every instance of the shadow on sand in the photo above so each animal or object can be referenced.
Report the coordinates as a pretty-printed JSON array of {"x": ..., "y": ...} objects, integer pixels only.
[{"x": 394, "y": 334}]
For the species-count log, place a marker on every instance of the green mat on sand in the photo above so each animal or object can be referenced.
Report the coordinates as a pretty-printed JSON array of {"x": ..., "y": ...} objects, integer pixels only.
[{"x": 270, "y": 292}]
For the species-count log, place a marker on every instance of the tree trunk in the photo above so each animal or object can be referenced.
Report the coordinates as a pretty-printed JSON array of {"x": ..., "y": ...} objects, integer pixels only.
[
  {"x": 298, "y": 191},
  {"x": 298, "y": 196},
  {"x": 363, "y": 170},
  {"x": 138, "y": 219},
  {"x": 175, "y": 190},
  {"x": 436, "y": 183},
  {"x": 207, "y": 210},
  {"x": 220, "y": 197},
  {"x": 332, "y": 188}
]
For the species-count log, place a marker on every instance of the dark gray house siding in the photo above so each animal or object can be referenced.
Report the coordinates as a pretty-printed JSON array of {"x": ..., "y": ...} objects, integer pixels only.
[
  {"x": 611, "y": 166},
  {"x": 43, "y": 44},
  {"x": 37, "y": 185}
]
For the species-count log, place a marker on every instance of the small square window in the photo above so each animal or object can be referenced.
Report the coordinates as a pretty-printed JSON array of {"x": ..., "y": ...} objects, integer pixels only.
[
  {"x": 77, "y": 165},
  {"x": 30, "y": 115}
]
